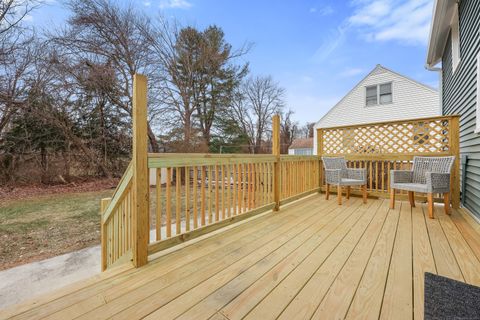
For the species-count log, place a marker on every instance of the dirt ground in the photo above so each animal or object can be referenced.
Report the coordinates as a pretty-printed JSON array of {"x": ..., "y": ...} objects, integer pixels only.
[{"x": 40, "y": 222}]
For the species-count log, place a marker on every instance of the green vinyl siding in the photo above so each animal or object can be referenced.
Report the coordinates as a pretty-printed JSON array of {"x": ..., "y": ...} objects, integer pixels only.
[{"x": 459, "y": 97}]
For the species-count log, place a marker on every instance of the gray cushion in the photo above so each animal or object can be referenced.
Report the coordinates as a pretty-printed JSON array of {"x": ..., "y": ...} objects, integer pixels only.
[{"x": 416, "y": 187}]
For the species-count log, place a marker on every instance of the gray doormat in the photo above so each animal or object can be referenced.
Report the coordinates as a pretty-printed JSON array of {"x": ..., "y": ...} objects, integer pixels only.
[{"x": 450, "y": 299}]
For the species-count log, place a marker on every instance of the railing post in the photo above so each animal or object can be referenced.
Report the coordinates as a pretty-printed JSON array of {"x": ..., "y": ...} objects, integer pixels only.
[
  {"x": 454, "y": 141},
  {"x": 319, "y": 154},
  {"x": 140, "y": 172},
  {"x": 276, "y": 153},
  {"x": 103, "y": 206}
]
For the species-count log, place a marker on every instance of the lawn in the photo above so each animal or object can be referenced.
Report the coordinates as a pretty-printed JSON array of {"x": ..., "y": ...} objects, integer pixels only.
[{"x": 40, "y": 227}]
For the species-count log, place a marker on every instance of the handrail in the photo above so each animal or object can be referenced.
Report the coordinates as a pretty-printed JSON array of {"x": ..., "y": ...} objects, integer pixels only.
[
  {"x": 118, "y": 193},
  {"x": 116, "y": 223}
]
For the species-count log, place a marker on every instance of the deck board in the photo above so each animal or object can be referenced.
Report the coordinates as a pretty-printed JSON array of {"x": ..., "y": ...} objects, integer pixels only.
[{"x": 313, "y": 259}]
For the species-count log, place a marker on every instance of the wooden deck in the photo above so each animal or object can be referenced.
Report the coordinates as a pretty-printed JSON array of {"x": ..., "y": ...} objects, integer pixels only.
[{"x": 313, "y": 259}]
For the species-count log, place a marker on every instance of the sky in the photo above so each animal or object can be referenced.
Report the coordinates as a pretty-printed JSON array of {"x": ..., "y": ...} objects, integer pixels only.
[{"x": 317, "y": 50}]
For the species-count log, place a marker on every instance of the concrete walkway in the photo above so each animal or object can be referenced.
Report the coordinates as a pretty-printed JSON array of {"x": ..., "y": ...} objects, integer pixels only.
[
  {"x": 27, "y": 281},
  {"x": 30, "y": 280}
]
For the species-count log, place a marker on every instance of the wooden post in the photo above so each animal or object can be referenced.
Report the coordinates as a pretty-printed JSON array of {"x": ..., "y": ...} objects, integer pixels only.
[
  {"x": 103, "y": 206},
  {"x": 319, "y": 154},
  {"x": 276, "y": 153},
  {"x": 140, "y": 172},
  {"x": 454, "y": 143}
]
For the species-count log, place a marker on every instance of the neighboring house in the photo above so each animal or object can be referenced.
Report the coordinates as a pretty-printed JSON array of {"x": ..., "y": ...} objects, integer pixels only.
[
  {"x": 455, "y": 42},
  {"x": 383, "y": 95},
  {"x": 301, "y": 147}
]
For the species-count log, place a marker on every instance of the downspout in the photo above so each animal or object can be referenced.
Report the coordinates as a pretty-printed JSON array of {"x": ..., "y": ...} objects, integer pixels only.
[{"x": 440, "y": 84}]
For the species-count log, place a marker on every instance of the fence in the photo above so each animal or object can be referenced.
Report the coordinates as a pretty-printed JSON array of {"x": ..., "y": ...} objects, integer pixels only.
[
  {"x": 384, "y": 146},
  {"x": 201, "y": 193}
]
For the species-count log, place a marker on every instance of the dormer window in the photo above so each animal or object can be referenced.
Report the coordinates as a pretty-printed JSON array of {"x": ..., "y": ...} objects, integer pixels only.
[{"x": 379, "y": 94}]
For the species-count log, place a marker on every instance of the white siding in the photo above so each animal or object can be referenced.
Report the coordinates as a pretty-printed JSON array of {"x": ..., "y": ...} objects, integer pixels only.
[
  {"x": 410, "y": 100},
  {"x": 301, "y": 151}
]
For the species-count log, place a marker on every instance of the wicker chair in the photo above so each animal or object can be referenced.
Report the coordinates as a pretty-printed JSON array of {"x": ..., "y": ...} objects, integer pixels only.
[
  {"x": 429, "y": 175},
  {"x": 337, "y": 173}
]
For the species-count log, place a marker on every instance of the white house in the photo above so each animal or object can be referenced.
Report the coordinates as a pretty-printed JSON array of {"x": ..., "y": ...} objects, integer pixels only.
[
  {"x": 383, "y": 95},
  {"x": 301, "y": 147}
]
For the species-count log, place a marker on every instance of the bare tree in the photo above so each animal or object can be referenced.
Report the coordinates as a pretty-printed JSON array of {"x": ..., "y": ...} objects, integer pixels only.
[
  {"x": 103, "y": 34},
  {"x": 288, "y": 131},
  {"x": 12, "y": 12},
  {"x": 306, "y": 131},
  {"x": 15, "y": 55},
  {"x": 253, "y": 107}
]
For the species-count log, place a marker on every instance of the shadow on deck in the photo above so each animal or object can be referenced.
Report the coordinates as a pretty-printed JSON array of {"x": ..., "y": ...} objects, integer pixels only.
[{"x": 313, "y": 259}]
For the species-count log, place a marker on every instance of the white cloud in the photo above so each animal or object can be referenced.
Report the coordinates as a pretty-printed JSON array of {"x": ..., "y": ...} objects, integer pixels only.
[
  {"x": 323, "y": 11},
  {"x": 405, "y": 21},
  {"x": 350, "y": 72},
  {"x": 331, "y": 41},
  {"x": 175, "y": 4},
  {"x": 147, "y": 3}
]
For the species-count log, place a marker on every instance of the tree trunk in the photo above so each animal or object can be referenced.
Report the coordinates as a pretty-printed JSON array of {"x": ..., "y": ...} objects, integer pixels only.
[{"x": 153, "y": 140}]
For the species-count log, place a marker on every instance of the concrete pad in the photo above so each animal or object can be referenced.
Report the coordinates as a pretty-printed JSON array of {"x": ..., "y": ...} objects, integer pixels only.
[{"x": 27, "y": 281}]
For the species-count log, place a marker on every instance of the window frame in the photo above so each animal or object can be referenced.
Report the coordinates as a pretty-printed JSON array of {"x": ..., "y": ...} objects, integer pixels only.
[
  {"x": 455, "y": 39},
  {"x": 378, "y": 94}
]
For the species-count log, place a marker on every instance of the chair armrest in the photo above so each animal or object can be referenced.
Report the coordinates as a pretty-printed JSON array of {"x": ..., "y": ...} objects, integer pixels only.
[
  {"x": 333, "y": 176},
  {"x": 438, "y": 181},
  {"x": 357, "y": 174},
  {"x": 401, "y": 176}
]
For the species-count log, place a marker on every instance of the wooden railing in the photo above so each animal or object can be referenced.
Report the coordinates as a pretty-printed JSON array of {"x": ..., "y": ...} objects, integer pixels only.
[
  {"x": 198, "y": 193},
  {"x": 299, "y": 175},
  {"x": 384, "y": 146},
  {"x": 193, "y": 194},
  {"x": 116, "y": 223}
]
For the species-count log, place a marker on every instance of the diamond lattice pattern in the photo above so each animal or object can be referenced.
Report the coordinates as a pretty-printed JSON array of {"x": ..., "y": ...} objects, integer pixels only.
[{"x": 425, "y": 136}]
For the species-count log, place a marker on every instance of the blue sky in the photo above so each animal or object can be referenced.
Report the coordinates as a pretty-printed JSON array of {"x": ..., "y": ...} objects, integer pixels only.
[{"x": 317, "y": 50}]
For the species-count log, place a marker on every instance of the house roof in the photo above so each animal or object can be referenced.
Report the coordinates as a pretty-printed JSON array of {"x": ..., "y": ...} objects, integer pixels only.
[
  {"x": 377, "y": 67},
  {"x": 302, "y": 143},
  {"x": 443, "y": 11}
]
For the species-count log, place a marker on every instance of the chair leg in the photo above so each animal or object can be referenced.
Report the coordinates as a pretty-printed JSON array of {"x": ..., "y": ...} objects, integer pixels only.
[
  {"x": 339, "y": 194},
  {"x": 446, "y": 201},
  {"x": 430, "y": 205},
  {"x": 327, "y": 192},
  {"x": 348, "y": 192},
  {"x": 364, "y": 193},
  {"x": 392, "y": 198},
  {"x": 411, "y": 198}
]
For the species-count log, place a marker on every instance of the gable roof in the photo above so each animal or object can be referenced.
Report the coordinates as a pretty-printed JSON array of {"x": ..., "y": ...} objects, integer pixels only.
[
  {"x": 302, "y": 143},
  {"x": 378, "y": 68},
  {"x": 443, "y": 11}
]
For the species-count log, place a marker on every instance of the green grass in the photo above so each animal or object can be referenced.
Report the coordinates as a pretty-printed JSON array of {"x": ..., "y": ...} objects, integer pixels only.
[{"x": 45, "y": 226}]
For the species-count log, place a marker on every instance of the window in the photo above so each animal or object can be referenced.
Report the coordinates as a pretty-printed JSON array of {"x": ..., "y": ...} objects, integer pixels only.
[
  {"x": 477, "y": 127},
  {"x": 372, "y": 95},
  {"x": 455, "y": 34},
  {"x": 385, "y": 93},
  {"x": 379, "y": 94}
]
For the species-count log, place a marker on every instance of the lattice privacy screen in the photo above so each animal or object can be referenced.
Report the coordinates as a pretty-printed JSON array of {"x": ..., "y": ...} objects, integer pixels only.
[{"x": 413, "y": 136}]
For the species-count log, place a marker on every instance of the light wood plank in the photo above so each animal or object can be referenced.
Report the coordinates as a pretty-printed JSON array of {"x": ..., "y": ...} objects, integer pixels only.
[
  {"x": 423, "y": 260},
  {"x": 308, "y": 299},
  {"x": 336, "y": 302},
  {"x": 398, "y": 297},
  {"x": 279, "y": 298}
]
